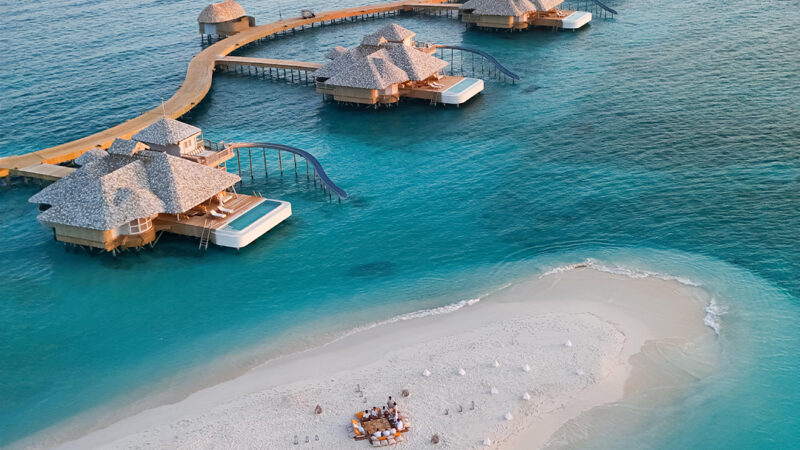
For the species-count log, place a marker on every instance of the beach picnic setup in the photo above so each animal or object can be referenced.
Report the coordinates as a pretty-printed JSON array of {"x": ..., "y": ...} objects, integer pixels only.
[{"x": 381, "y": 426}]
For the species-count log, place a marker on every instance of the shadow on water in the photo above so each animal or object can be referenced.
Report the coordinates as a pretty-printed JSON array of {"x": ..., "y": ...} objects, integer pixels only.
[{"x": 377, "y": 269}]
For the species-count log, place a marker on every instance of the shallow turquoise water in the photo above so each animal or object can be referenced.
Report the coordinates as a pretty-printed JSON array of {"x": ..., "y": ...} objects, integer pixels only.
[{"x": 659, "y": 140}]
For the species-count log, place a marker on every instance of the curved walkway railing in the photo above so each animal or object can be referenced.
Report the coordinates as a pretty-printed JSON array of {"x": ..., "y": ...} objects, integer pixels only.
[
  {"x": 603, "y": 6},
  {"x": 308, "y": 156},
  {"x": 194, "y": 88},
  {"x": 487, "y": 56}
]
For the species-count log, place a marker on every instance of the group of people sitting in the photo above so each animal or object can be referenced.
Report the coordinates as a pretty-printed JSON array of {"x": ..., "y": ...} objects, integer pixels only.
[{"x": 389, "y": 412}]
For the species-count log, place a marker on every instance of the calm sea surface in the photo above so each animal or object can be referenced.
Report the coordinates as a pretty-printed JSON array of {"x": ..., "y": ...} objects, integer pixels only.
[{"x": 666, "y": 140}]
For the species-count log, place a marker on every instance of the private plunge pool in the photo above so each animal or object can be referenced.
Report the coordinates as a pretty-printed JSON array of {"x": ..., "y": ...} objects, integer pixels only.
[
  {"x": 462, "y": 91},
  {"x": 252, "y": 224}
]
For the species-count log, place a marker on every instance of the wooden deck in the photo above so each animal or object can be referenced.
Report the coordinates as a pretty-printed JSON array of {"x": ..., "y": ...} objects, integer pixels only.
[
  {"x": 551, "y": 20},
  {"x": 193, "y": 89},
  {"x": 230, "y": 61},
  {"x": 193, "y": 226},
  {"x": 431, "y": 93},
  {"x": 433, "y": 6},
  {"x": 47, "y": 172}
]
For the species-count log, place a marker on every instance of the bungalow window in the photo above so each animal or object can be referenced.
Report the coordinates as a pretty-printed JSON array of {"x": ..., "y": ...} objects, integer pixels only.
[{"x": 137, "y": 226}]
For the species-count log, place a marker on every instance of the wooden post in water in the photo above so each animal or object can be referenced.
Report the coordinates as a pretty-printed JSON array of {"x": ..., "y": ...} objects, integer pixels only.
[
  {"x": 280, "y": 162},
  {"x": 265, "y": 162},
  {"x": 238, "y": 163},
  {"x": 294, "y": 156},
  {"x": 250, "y": 157}
]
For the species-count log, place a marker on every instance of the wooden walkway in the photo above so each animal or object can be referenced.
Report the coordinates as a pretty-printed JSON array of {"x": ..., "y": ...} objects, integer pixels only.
[
  {"x": 46, "y": 172},
  {"x": 230, "y": 61},
  {"x": 194, "y": 88}
]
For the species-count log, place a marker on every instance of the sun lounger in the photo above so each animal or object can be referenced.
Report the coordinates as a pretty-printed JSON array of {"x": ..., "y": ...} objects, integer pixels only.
[
  {"x": 225, "y": 210},
  {"x": 217, "y": 214}
]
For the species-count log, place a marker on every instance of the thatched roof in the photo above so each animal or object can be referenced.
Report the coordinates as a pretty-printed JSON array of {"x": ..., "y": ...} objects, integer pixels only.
[
  {"x": 546, "y": 5},
  {"x": 90, "y": 156},
  {"x": 499, "y": 7},
  {"x": 126, "y": 147},
  {"x": 376, "y": 71},
  {"x": 394, "y": 33},
  {"x": 373, "y": 40},
  {"x": 221, "y": 12},
  {"x": 116, "y": 189},
  {"x": 166, "y": 132},
  {"x": 378, "y": 66},
  {"x": 417, "y": 64},
  {"x": 335, "y": 52}
]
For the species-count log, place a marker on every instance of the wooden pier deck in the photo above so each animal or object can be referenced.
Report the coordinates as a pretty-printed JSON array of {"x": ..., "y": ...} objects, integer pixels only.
[
  {"x": 46, "y": 172},
  {"x": 194, "y": 88},
  {"x": 433, "y": 6},
  {"x": 230, "y": 61}
]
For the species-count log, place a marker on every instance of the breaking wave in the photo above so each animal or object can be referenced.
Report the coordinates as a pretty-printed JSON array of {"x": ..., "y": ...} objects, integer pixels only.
[{"x": 714, "y": 310}]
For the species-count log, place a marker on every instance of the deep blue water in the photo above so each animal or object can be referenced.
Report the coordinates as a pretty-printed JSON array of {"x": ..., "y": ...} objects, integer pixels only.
[{"x": 667, "y": 139}]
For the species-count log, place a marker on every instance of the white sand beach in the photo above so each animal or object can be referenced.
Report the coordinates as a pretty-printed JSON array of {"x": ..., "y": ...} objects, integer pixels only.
[{"x": 575, "y": 329}]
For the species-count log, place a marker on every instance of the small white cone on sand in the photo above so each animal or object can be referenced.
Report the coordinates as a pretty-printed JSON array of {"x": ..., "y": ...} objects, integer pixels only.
[
  {"x": 494, "y": 390},
  {"x": 462, "y": 372},
  {"x": 496, "y": 363},
  {"x": 526, "y": 396},
  {"x": 487, "y": 442},
  {"x": 580, "y": 373},
  {"x": 426, "y": 373},
  {"x": 568, "y": 343},
  {"x": 509, "y": 416},
  {"x": 526, "y": 368}
]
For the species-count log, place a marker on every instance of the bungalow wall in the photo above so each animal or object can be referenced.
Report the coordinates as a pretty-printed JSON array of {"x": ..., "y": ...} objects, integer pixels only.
[
  {"x": 228, "y": 28},
  {"x": 355, "y": 95},
  {"x": 504, "y": 22},
  {"x": 102, "y": 239}
]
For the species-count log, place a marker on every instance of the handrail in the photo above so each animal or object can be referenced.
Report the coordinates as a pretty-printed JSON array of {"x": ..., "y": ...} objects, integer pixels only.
[
  {"x": 603, "y": 5},
  {"x": 308, "y": 156},
  {"x": 489, "y": 57}
]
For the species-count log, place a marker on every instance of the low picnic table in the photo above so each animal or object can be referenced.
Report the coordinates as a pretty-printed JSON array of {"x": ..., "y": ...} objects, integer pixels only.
[{"x": 379, "y": 424}]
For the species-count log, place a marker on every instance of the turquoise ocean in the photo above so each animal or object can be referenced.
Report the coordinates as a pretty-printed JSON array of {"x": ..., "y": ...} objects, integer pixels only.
[{"x": 666, "y": 140}]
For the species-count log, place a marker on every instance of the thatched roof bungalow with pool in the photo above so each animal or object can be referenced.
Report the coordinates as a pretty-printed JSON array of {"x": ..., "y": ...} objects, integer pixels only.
[
  {"x": 386, "y": 66},
  {"x": 521, "y": 14}
]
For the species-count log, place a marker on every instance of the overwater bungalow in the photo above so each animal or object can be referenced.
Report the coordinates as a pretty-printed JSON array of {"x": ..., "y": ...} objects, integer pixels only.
[
  {"x": 224, "y": 19},
  {"x": 126, "y": 196},
  {"x": 521, "y": 14},
  {"x": 387, "y": 66}
]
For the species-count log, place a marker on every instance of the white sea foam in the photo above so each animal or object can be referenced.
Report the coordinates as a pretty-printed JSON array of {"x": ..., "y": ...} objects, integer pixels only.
[
  {"x": 620, "y": 270},
  {"x": 714, "y": 310},
  {"x": 714, "y": 313},
  {"x": 446, "y": 309}
]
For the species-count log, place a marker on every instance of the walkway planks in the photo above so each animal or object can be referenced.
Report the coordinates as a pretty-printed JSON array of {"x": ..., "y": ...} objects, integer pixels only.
[
  {"x": 194, "y": 88},
  {"x": 47, "y": 172},
  {"x": 230, "y": 61}
]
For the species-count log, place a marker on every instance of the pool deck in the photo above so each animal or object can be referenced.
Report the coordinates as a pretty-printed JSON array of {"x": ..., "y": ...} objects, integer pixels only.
[
  {"x": 431, "y": 93},
  {"x": 193, "y": 226},
  {"x": 193, "y": 89}
]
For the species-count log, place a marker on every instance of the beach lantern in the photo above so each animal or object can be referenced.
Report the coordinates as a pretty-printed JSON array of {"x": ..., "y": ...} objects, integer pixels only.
[
  {"x": 487, "y": 442},
  {"x": 494, "y": 390},
  {"x": 526, "y": 396},
  {"x": 426, "y": 373},
  {"x": 526, "y": 368},
  {"x": 496, "y": 363},
  {"x": 509, "y": 416},
  {"x": 462, "y": 372},
  {"x": 568, "y": 343}
]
